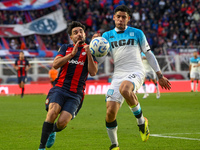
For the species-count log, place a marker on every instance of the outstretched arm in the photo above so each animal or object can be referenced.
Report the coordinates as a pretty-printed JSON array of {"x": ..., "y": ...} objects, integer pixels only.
[{"x": 163, "y": 81}]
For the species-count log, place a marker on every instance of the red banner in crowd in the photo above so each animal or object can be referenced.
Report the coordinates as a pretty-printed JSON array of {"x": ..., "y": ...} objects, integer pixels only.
[
  {"x": 22, "y": 5},
  {"x": 91, "y": 88}
]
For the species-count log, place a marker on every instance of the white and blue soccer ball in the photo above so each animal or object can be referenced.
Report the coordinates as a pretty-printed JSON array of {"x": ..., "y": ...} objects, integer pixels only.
[{"x": 99, "y": 47}]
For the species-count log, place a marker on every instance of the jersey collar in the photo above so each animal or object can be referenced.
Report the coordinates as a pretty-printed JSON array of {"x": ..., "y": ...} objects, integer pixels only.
[{"x": 120, "y": 31}]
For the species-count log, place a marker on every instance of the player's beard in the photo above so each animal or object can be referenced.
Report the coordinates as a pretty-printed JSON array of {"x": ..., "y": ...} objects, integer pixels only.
[{"x": 82, "y": 41}]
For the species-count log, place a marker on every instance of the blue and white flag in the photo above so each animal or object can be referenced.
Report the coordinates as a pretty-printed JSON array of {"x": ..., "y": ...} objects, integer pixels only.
[
  {"x": 22, "y": 5},
  {"x": 49, "y": 24}
]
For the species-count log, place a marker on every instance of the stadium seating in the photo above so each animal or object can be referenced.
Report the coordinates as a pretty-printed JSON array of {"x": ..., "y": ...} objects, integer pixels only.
[{"x": 168, "y": 23}]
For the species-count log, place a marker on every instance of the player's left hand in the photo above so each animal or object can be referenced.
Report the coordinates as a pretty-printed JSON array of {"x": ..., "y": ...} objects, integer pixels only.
[
  {"x": 164, "y": 83},
  {"x": 75, "y": 49},
  {"x": 87, "y": 50}
]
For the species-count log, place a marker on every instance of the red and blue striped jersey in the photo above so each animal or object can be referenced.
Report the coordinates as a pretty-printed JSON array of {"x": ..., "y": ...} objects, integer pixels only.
[
  {"x": 22, "y": 64},
  {"x": 74, "y": 73}
]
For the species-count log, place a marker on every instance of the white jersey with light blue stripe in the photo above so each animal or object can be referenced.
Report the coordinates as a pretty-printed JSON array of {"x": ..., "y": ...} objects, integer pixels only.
[
  {"x": 125, "y": 50},
  {"x": 194, "y": 61}
]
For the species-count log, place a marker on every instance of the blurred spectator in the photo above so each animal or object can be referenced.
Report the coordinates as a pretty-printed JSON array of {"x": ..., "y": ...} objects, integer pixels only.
[
  {"x": 136, "y": 15},
  {"x": 174, "y": 22},
  {"x": 14, "y": 44},
  {"x": 31, "y": 43},
  {"x": 196, "y": 16},
  {"x": 23, "y": 45}
]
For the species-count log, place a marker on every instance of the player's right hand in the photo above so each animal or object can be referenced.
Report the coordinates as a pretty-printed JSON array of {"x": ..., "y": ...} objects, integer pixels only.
[
  {"x": 75, "y": 49},
  {"x": 96, "y": 35}
]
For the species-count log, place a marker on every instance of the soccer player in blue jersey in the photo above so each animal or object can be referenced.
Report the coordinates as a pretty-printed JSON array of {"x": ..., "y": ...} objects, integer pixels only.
[
  {"x": 65, "y": 98},
  {"x": 22, "y": 66},
  {"x": 126, "y": 44},
  {"x": 194, "y": 70},
  {"x": 149, "y": 74}
]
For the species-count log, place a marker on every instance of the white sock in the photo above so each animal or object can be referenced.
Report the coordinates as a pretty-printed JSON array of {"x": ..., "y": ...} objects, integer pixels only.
[
  {"x": 192, "y": 86},
  {"x": 196, "y": 86},
  {"x": 137, "y": 111},
  {"x": 157, "y": 88},
  {"x": 144, "y": 88},
  {"x": 112, "y": 133}
]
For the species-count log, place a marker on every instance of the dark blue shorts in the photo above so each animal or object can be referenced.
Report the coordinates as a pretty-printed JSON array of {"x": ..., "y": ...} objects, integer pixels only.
[
  {"x": 68, "y": 101},
  {"x": 21, "y": 79}
]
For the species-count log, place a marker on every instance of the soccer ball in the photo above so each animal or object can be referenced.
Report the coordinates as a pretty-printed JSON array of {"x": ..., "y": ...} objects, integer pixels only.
[{"x": 99, "y": 47}]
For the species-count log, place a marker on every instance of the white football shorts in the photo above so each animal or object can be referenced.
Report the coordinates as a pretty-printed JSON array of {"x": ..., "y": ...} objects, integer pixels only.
[
  {"x": 195, "y": 75},
  {"x": 150, "y": 74},
  {"x": 113, "y": 93}
]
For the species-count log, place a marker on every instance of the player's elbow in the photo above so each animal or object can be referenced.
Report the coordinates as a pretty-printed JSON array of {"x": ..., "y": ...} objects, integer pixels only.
[
  {"x": 56, "y": 66},
  {"x": 93, "y": 72}
]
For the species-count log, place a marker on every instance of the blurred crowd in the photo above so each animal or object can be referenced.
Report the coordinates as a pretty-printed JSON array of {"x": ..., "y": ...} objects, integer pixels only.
[{"x": 167, "y": 23}]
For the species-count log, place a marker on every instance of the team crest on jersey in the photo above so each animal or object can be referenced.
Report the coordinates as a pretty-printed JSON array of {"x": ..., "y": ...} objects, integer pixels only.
[
  {"x": 59, "y": 49},
  {"x": 83, "y": 53},
  {"x": 131, "y": 33},
  {"x": 47, "y": 101}
]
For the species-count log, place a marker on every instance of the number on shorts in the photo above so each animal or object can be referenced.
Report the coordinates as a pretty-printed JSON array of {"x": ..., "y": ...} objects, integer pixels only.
[{"x": 131, "y": 76}]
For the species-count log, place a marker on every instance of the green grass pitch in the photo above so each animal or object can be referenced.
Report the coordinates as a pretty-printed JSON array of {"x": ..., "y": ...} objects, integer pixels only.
[{"x": 174, "y": 122}]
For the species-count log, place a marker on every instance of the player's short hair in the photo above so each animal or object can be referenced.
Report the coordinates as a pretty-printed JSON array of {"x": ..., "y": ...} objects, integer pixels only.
[
  {"x": 21, "y": 52},
  {"x": 74, "y": 24},
  {"x": 122, "y": 8}
]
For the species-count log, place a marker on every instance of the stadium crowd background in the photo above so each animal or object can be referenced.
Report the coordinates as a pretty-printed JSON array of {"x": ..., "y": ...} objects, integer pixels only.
[{"x": 165, "y": 22}]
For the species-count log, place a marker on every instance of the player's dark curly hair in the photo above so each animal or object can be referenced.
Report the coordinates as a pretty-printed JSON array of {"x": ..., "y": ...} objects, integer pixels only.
[
  {"x": 122, "y": 8},
  {"x": 74, "y": 24}
]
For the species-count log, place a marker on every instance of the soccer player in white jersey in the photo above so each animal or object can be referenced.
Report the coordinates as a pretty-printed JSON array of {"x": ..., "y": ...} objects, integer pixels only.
[
  {"x": 151, "y": 75},
  {"x": 126, "y": 44},
  {"x": 194, "y": 70}
]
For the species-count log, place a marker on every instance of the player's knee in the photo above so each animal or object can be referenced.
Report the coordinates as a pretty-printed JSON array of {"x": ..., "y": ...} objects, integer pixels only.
[
  {"x": 63, "y": 119},
  {"x": 110, "y": 114},
  {"x": 61, "y": 124},
  {"x": 125, "y": 91},
  {"x": 126, "y": 88},
  {"x": 52, "y": 115}
]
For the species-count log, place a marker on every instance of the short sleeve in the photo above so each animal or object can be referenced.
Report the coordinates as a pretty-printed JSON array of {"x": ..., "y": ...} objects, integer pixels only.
[
  {"x": 105, "y": 35},
  {"x": 62, "y": 50},
  {"x": 190, "y": 60},
  {"x": 27, "y": 62},
  {"x": 144, "y": 45},
  {"x": 16, "y": 62}
]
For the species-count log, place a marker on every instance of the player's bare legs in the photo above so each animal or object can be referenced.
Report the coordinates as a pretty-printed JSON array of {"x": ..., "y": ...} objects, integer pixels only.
[
  {"x": 21, "y": 85},
  {"x": 52, "y": 114},
  {"x": 157, "y": 89},
  {"x": 111, "y": 123},
  {"x": 112, "y": 109},
  {"x": 197, "y": 85},
  {"x": 49, "y": 128},
  {"x": 126, "y": 89},
  {"x": 64, "y": 118},
  {"x": 145, "y": 90},
  {"x": 192, "y": 84}
]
